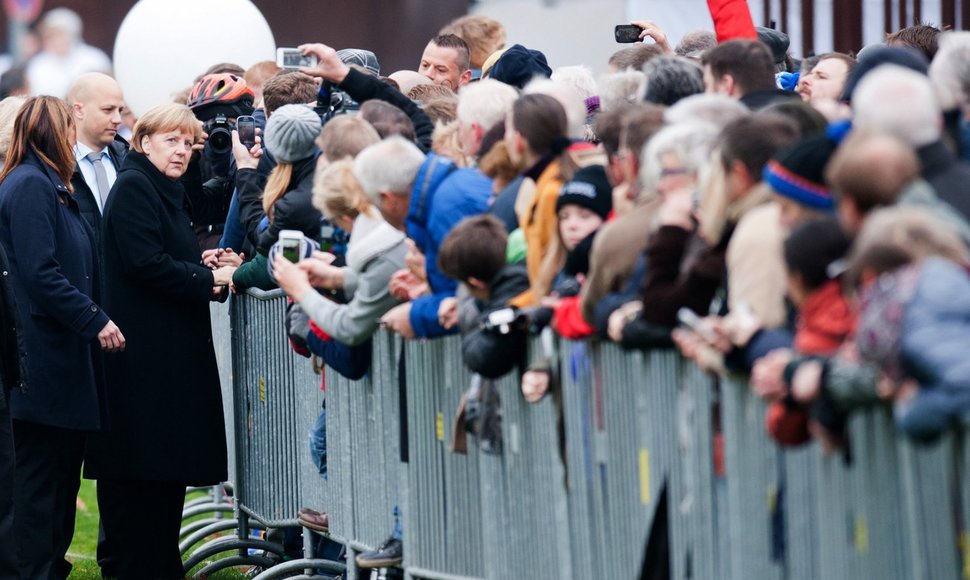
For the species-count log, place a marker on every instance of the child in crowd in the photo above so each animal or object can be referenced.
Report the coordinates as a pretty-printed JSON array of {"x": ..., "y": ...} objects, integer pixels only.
[
  {"x": 584, "y": 205},
  {"x": 825, "y": 319},
  {"x": 914, "y": 322},
  {"x": 493, "y": 334}
]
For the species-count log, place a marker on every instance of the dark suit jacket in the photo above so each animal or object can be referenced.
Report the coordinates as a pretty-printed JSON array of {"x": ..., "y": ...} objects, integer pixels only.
[{"x": 85, "y": 197}]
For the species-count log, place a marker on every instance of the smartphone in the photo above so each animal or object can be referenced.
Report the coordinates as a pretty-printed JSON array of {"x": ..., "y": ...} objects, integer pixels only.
[
  {"x": 627, "y": 33},
  {"x": 293, "y": 58},
  {"x": 687, "y": 318},
  {"x": 291, "y": 244},
  {"x": 246, "y": 126}
]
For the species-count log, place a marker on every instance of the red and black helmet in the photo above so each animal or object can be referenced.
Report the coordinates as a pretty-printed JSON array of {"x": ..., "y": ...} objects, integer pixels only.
[{"x": 221, "y": 94}]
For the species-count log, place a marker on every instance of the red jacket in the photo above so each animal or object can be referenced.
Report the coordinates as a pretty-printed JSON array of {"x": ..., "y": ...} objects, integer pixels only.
[{"x": 732, "y": 20}]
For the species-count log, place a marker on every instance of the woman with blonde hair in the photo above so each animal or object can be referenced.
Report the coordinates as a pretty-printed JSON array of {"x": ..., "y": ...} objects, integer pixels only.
[
  {"x": 166, "y": 427},
  {"x": 375, "y": 252},
  {"x": 290, "y": 135},
  {"x": 53, "y": 275}
]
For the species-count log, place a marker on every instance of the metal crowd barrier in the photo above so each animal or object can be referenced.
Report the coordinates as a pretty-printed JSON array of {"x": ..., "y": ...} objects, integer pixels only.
[{"x": 639, "y": 427}]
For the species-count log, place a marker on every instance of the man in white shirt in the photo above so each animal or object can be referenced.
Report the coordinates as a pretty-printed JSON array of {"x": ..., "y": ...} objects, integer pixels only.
[
  {"x": 64, "y": 55},
  {"x": 96, "y": 101}
]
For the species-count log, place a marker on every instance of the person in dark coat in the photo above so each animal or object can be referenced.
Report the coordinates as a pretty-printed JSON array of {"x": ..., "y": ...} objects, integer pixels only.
[
  {"x": 13, "y": 372},
  {"x": 165, "y": 405},
  {"x": 53, "y": 274}
]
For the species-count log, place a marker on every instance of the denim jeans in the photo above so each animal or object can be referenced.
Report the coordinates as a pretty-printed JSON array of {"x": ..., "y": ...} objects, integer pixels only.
[
  {"x": 318, "y": 442},
  {"x": 233, "y": 234}
]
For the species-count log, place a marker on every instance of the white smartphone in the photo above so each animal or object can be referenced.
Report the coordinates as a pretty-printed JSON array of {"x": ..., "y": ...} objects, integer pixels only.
[
  {"x": 293, "y": 58},
  {"x": 687, "y": 318},
  {"x": 292, "y": 245}
]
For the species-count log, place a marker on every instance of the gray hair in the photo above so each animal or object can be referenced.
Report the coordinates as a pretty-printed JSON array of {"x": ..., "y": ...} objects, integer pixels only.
[
  {"x": 485, "y": 103},
  {"x": 570, "y": 100},
  {"x": 898, "y": 101},
  {"x": 671, "y": 78},
  {"x": 622, "y": 88},
  {"x": 950, "y": 70},
  {"x": 695, "y": 43},
  {"x": 718, "y": 110},
  {"x": 388, "y": 166},
  {"x": 691, "y": 143},
  {"x": 578, "y": 77}
]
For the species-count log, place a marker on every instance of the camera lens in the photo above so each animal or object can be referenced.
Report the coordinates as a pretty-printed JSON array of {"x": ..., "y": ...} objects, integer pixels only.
[{"x": 220, "y": 140}]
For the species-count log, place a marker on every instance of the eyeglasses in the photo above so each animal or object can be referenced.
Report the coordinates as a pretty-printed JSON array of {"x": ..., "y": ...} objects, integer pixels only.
[{"x": 673, "y": 171}]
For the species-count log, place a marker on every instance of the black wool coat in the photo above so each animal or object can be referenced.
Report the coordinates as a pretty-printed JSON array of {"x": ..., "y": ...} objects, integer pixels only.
[{"x": 165, "y": 419}]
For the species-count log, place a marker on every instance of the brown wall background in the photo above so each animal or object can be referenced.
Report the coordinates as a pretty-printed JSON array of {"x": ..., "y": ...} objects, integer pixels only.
[{"x": 396, "y": 30}]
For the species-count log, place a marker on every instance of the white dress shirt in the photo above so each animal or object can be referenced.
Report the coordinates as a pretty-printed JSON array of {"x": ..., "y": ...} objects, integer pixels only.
[{"x": 87, "y": 171}]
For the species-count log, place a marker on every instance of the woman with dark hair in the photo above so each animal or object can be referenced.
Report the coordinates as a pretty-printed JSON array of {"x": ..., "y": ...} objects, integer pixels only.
[
  {"x": 167, "y": 429},
  {"x": 53, "y": 276}
]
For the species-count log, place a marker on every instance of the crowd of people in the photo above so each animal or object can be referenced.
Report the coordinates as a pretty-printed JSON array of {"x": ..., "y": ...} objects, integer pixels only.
[{"x": 802, "y": 221}]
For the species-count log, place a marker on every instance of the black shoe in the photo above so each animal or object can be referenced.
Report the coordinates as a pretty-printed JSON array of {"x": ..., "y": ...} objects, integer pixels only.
[{"x": 390, "y": 553}]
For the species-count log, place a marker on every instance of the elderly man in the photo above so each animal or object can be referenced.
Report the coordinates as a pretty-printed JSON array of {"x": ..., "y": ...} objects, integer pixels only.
[{"x": 446, "y": 61}]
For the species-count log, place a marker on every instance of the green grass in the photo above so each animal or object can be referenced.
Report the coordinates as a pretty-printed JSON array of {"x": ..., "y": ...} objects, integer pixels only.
[{"x": 85, "y": 544}]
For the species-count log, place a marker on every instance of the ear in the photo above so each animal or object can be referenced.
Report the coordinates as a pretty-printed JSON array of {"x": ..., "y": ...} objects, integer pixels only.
[
  {"x": 741, "y": 173},
  {"x": 477, "y": 284},
  {"x": 78, "y": 110},
  {"x": 729, "y": 85},
  {"x": 146, "y": 144},
  {"x": 465, "y": 78}
]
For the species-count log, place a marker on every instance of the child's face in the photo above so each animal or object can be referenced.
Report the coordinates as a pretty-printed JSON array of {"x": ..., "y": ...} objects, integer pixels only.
[{"x": 575, "y": 223}]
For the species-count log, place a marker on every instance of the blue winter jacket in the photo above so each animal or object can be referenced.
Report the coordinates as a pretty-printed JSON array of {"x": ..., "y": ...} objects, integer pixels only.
[
  {"x": 434, "y": 211},
  {"x": 936, "y": 333}
]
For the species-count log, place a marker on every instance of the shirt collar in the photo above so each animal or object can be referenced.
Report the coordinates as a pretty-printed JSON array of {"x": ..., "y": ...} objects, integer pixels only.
[{"x": 81, "y": 151}]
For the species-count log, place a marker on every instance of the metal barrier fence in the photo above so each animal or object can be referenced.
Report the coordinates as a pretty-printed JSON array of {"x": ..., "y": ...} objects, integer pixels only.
[{"x": 638, "y": 427}]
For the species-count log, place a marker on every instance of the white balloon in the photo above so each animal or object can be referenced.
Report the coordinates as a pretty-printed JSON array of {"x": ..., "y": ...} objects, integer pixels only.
[{"x": 163, "y": 45}]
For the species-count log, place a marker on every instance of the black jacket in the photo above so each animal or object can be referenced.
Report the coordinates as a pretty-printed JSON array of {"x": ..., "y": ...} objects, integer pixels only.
[
  {"x": 53, "y": 274},
  {"x": 117, "y": 151},
  {"x": 488, "y": 352},
  {"x": 949, "y": 176},
  {"x": 164, "y": 401},
  {"x": 294, "y": 211},
  {"x": 363, "y": 87}
]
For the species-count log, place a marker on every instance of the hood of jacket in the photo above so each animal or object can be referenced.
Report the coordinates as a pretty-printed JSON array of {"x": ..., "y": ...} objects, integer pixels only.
[
  {"x": 371, "y": 237},
  {"x": 433, "y": 172}
]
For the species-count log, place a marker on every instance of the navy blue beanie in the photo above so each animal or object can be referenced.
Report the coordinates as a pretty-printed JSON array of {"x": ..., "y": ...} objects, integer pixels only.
[{"x": 518, "y": 65}]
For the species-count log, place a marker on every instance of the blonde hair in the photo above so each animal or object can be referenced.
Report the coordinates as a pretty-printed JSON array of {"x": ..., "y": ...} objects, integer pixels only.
[
  {"x": 895, "y": 236},
  {"x": 8, "y": 113},
  {"x": 165, "y": 118},
  {"x": 445, "y": 142},
  {"x": 336, "y": 191},
  {"x": 276, "y": 186}
]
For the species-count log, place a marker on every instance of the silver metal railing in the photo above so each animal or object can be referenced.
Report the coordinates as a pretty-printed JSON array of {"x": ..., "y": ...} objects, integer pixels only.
[{"x": 635, "y": 424}]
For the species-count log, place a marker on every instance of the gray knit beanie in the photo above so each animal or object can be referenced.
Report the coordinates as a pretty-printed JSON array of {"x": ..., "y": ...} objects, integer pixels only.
[{"x": 290, "y": 133}]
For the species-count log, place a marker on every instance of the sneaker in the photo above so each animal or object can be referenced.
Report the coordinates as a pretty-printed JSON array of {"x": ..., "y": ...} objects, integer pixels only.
[{"x": 390, "y": 553}]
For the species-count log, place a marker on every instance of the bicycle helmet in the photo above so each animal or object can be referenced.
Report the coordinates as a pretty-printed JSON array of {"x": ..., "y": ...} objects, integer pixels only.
[{"x": 223, "y": 93}]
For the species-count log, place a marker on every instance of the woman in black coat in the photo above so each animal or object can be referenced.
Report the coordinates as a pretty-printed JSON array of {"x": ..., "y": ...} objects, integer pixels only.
[
  {"x": 52, "y": 272},
  {"x": 165, "y": 405}
]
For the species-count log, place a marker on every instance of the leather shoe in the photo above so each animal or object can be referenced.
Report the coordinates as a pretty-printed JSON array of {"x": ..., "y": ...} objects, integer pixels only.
[{"x": 318, "y": 521}]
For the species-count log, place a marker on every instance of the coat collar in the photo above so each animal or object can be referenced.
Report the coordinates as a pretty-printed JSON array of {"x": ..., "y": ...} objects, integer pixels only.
[
  {"x": 170, "y": 190},
  {"x": 370, "y": 237},
  {"x": 31, "y": 158}
]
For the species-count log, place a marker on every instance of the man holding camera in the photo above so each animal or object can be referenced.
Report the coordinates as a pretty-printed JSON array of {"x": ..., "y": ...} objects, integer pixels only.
[{"x": 96, "y": 101}]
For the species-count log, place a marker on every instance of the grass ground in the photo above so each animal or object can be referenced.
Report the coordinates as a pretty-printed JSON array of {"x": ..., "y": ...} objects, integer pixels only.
[{"x": 83, "y": 549}]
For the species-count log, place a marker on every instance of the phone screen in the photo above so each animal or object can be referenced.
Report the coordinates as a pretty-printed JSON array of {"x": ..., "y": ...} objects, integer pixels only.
[
  {"x": 291, "y": 249},
  {"x": 293, "y": 58},
  {"x": 246, "y": 126},
  {"x": 627, "y": 33}
]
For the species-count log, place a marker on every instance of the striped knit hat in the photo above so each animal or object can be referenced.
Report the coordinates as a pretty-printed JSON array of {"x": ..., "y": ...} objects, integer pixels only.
[{"x": 798, "y": 172}]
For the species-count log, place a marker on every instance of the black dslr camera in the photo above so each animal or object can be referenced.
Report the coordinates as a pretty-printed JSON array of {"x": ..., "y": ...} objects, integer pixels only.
[
  {"x": 220, "y": 130},
  {"x": 332, "y": 102}
]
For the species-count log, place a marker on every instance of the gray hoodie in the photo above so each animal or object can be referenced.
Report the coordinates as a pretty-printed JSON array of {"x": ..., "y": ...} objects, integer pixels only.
[{"x": 375, "y": 252}]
